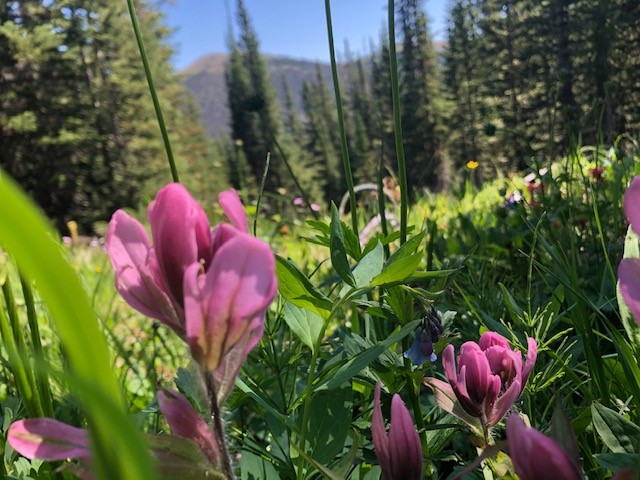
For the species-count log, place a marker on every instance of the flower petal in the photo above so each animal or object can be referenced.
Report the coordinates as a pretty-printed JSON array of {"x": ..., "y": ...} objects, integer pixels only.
[
  {"x": 238, "y": 287},
  {"x": 185, "y": 422},
  {"x": 447, "y": 401},
  {"x": 535, "y": 455},
  {"x": 136, "y": 275},
  {"x": 405, "y": 448},
  {"x": 379, "y": 434},
  {"x": 631, "y": 204},
  {"x": 231, "y": 204},
  {"x": 629, "y": 277},
  {"x": 504, "y": 402},
  {"x": 490, "y": 339},
  {"x": 181, "y": 235},
  {"x": 48, "y": 439}
]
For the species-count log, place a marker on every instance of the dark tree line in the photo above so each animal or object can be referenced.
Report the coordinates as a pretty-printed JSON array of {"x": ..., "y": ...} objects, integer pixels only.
[
  {"x": 516, "y": 79},
  {"x": 77, "y": 128}
]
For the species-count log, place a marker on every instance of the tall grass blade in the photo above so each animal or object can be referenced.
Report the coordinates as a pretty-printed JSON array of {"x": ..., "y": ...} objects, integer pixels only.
[
  {"x": 119, "y": 449},
  {"x": 397, "y": 123},
  {"x": 343, "y": 134},
  {"x": 152, "y": 90}
]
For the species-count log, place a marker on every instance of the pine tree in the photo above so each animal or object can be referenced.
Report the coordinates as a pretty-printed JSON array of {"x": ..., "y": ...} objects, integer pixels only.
[{"x": 422, "y": 104}]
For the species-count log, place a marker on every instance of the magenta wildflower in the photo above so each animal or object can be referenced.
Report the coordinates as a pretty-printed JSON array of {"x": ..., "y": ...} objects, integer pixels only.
[
  {"x": 535, "y": 455},
  {"x": 400, "y": 452},
  {"x": 488, "y": 379},
  {"x": 211, "y": 287},
  {"x": 629, "y": 268}
]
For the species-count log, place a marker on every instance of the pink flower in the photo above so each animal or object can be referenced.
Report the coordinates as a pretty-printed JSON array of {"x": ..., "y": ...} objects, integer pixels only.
[
  {"x": 185, "y": 422},
  {"x": 629, "y": 268},
  {"x": 211, "y": 287},
  {"x": 399, "y": 453},
  {"x": 488, "y": 379},
  {"x": 298, "y": 201},
  {"x": 536, "y": 456},
  {"x": 49, "y": 440}
]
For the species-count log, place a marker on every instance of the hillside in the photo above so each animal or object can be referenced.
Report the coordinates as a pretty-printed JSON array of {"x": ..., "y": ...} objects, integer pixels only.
[{"x": 205, "y": 80}]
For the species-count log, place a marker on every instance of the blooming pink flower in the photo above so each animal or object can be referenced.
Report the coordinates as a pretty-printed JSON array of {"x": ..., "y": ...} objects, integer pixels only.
[
  {"x": 488, "y": 379},
  {"x": 629, "y": 268},
  {"x": 399, "y": 453},
  {"x": 535, "y": 455},
  {"x": 211, "y": 287}
]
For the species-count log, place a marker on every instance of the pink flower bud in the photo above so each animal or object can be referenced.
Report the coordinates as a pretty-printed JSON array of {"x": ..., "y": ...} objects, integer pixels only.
[
  {"x": 535, "y": 455},
  {"x": 399, "y": 453}
]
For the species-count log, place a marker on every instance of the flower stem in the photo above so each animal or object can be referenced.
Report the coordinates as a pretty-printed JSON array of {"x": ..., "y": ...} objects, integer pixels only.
[{"x": 218, "y": 430}]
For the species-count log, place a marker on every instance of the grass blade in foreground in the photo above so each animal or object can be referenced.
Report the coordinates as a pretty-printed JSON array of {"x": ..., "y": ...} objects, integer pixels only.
[{"x": 119, "y": 450}]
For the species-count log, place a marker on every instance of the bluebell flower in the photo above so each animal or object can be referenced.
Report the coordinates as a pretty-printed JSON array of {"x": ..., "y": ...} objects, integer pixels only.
[{"x": 427, "y": 334}]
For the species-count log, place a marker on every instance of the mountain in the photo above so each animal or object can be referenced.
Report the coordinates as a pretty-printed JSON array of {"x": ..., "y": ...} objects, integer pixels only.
[{"x": 205, "y": 79}]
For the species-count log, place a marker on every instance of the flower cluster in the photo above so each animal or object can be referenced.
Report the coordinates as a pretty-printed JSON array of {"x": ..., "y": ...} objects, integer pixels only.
[
  {"x": 629, "y": 268},
  {"x": 489, "y": 377}
]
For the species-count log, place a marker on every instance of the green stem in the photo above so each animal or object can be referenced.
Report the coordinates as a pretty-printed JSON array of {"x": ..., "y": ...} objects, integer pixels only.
[
  {"x": 303, "y": 193},
  {"x": 414, "y": 399},
  {"x": 152, "y": 90},
  {"x": 21, "y": 345},
  {"x": 42, "y": 379},
  {"x": 397, "y": 123},
  {"x": 307, "y": 402},
  {"x": 381, "y": 207},
  {"x": 218, "y": 430},
  {"x": 343, "y": 134},
  {"x": 261, "y": 192}
]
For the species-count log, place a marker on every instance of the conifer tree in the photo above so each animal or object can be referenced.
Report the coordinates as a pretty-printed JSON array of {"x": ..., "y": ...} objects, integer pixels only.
[{"x": 422, "y": 103}]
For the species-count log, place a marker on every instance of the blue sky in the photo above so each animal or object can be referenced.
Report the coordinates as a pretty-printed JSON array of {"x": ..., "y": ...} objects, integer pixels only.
[{"x": 295, "y": 28}]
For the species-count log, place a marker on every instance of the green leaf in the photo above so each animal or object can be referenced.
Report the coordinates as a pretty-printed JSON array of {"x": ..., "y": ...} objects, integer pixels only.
[
  {"x": 562, "y": 433},
  {"x": 408, "y": 248},
  {"x": 355, "y": 365},
  {"x": 367, "y": 268},
  {"x": 296, "y": 287},
  {"x": 305, "y": 324},
  {"x": 617, "y": 461},
  {"x": 397, "y": 271},
  {"x": 246, "y": 389},
  {"x": 254, "y": 467},
  {"x": 338, "y": 249},
  {"x": 618, "y": 434},
  {"x": 26, "y": 235},
  {"x": 329, "y": 425},
  {"x": 179, "y": 457}
]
